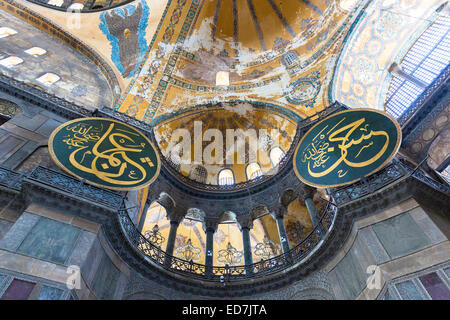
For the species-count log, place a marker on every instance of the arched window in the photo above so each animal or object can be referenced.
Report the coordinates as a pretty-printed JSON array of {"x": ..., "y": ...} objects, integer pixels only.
[
  {"x": 421, "y": 65},
  {"x": 253, "y": 171},
  {"x": 36, "y": 51},
  {"x": 57, "y": 3},
  {"x": 48, "y": 78},
  {"x": 276, "y": 154},
  {"x": 5, "y": 32},
  {"x": 156, "y": 225},
  {"x": 11, "y": 61},
  {"x": 199, "y": 173},
  {"x": 226, "y": 177}
]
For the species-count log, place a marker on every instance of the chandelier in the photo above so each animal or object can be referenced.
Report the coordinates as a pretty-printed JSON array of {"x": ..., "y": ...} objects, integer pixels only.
[
  {"x": 267, "y": 249},
  {"x": 154, "y": 236},
  {"x": 230, "y": 255},
  {"x": 188, "y": 252}
]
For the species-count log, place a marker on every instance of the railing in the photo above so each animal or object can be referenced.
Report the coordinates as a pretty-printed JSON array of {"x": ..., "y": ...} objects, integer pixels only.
[
  {"x": 392, "y": 172},
  {"x": 368, "y": 185},
  {"x": 68, "y": 184},
  {"x": 230, "y": 273}
]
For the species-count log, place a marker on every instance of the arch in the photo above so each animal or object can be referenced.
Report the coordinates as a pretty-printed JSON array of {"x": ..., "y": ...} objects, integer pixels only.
[
  {"x": 420, "y": 66},
  {"x": 227, "y": 217},
  {"x": 253, "y": 171},
  {"x": 378, "y": 37},
  {"x": 226, "y": 177},
  {"x": 276, "y": 154},
  {"x": 199, "y": 174}
]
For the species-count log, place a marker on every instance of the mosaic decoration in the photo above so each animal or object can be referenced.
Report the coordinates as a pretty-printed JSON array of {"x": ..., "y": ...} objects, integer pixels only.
[
  {"x": 230, "y": 256},
  {"x": 345, "y": 147},
  {"x": 188, "y": 252},
  {"x": 304, "y": 91},
  {"x": 169, "y": 77},
  {"x": 105, "y": 152},
  {"x": 267, "y": 249},
  {"x": 125, "y": 30}
]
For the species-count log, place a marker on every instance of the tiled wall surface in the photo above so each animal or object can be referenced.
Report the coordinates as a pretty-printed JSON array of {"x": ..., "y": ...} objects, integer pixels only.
[
  {"x": 45, "y": 244},
  {"x": 381, "y": 244}
]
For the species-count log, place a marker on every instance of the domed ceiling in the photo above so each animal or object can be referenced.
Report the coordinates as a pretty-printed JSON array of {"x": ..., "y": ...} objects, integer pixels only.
[
  {"x": 216, "y": 127},
  {"x": 274, "y": 51}
]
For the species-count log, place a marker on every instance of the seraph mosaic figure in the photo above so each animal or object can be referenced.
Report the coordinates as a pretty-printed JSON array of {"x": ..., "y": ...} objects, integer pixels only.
[{"x": 125, "y": 30}]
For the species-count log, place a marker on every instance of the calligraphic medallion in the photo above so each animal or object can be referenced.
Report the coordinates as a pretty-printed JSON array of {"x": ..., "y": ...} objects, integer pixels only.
[
  {"x": 105, "y": 152},
  {"x": 345, "y": 147}
]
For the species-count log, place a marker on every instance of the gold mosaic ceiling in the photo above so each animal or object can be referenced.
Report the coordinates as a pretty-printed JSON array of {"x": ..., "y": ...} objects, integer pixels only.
[
  {"x": 279, "y": 131},
  {"x": 273, "y": 51},
  {"x": 249, "y": 26}
]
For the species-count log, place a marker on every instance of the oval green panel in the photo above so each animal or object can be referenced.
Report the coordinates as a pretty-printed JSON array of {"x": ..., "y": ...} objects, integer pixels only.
[
  {"x": 105, "y": 153},
  {"x": 345, "y": 147}
]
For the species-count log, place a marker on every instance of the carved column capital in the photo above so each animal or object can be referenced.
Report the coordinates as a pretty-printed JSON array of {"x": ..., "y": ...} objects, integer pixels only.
[
  {"x": 176, "y": 214},
  {"x": 210, "y": 224},
  {"x": 245, "y": 221},
  {"x": 279, "y": 212},
  {"x": 166, "y": 201},
  {"x": 307, "y": 192}
]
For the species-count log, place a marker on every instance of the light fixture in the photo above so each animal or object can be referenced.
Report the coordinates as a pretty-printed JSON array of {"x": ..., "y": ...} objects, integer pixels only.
[
  {"x": 154, "y": 235},
  {"x": 188, "y": 252},
  {"x": 267, "y": 249},
  {"x": 229, "y": 256}
]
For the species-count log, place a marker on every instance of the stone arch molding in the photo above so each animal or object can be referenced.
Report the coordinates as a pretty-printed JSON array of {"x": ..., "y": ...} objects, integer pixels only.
[{"x": 379, "y": 36}]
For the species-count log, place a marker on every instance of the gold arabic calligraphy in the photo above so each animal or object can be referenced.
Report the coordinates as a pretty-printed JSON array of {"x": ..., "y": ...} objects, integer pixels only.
[
  {"x": 317, "y": 152},
  {"x": 87, "y": 157}
]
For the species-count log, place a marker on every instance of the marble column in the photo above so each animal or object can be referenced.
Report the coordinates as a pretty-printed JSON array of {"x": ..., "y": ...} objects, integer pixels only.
[
  {"x": 308, "y": 195},
  {"x": 279, "y": 218},
  {"x": 210, "y": 227},
  {"x": 172, "y": 236},
  {"x": 143, "y": 217},
  {"x": 248, "y": 259},
  {"x": 246, "y": 223},
  {"x": 175, "y": 218}
]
